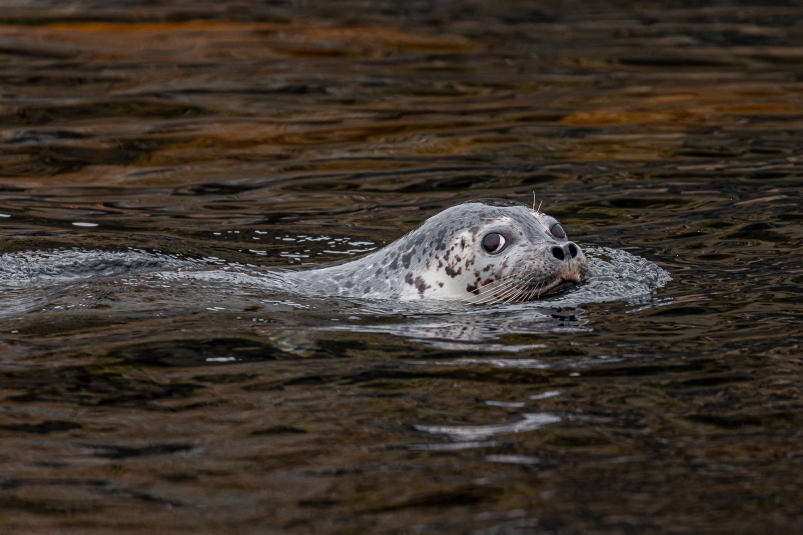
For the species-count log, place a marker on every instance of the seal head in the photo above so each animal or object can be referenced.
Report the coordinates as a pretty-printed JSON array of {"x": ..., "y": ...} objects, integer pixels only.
[
  {"x": 500, "y": 251},
  {"x": 484, "y": 251}
]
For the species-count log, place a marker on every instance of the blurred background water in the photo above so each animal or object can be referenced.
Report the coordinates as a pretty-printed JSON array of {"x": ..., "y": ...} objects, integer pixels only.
[{"x": 159, "y": 159}]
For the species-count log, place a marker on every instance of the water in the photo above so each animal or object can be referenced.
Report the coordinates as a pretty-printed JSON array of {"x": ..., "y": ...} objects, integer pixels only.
[{"x": 161, "y": 164}]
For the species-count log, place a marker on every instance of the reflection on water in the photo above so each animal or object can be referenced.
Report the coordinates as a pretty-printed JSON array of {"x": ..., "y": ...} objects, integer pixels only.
[
  {"x": 454, "y": 446},
  {"x": 546, "y": 395},
  {"x": 515, "y": 459},
  {"x": 163, "y": 166},
  {"x": 531, "y": 422},
  {"x": 526, "y": 363}
]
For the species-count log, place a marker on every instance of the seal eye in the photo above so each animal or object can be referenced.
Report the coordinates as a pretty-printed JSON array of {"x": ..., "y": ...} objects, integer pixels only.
[
  {"x": 558, "y": 231},
  {"x": 494, "y": 243}
]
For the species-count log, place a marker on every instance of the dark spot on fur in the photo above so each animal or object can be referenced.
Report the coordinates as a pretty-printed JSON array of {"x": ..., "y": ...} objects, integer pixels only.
[
  {"x": 409, "y": 278},
  {"x": 378, "y": 272},
  {"x": 427, "y": 263},
  {"x": 406, "y": 259},
  {"x": 440, "y": 284},
  {"x": 421, "y": 285},
  {"x": 486, "y": 268},
  {"x": 452, "y": 273},
  {"x": 472, "y": 289},
  {"x": 395, "y": 264},
  {"x": 349, "y": 284}
]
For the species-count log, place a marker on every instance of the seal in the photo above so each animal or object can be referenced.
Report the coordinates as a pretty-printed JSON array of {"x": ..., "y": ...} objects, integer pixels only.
[{"x": 484, "y": 251}]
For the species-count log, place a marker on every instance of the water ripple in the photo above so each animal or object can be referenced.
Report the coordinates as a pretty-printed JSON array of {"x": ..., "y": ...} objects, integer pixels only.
[{"x": 531, "y": 422}]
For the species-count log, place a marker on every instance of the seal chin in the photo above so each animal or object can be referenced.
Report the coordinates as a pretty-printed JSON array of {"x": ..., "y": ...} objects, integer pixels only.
[{"x": 562, "y": 285}]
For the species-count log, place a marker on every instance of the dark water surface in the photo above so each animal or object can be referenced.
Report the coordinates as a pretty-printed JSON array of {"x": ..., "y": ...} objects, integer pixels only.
[{"x": 157, "y": 158}]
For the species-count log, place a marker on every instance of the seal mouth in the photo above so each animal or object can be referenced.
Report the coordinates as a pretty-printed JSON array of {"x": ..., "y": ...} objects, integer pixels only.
[
  {"x": 531, "y": 290},
  {"x": 524, "y": 293},
  {"x": 561, "y": 286},
  {"x": 558, "y": 285}
]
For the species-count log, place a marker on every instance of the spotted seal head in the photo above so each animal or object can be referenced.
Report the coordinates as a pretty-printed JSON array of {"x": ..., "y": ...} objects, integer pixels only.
[{"x": 484, "y": 251}]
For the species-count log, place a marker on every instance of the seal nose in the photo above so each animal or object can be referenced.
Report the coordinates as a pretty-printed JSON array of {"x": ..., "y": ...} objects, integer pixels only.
[{"x": 567, "y": 252}]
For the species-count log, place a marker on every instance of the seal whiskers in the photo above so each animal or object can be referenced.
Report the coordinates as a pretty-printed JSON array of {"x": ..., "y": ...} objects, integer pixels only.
[
  {"x": 490, "y": 292},
  {"x": 489, "y": 296},
  {"x": 511, "y": 289},
  {"x": 518, "y": 291}
]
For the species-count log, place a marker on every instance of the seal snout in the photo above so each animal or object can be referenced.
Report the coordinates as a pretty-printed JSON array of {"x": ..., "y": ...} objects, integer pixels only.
[
  {"x": 568, "y": 252},
  {"x": 568, "y": 267}
]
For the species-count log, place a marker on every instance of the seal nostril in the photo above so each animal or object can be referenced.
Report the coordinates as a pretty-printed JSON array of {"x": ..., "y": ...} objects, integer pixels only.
[
  {"x": 557, "y": 252},
  {"x": 573, "y": 250}
]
